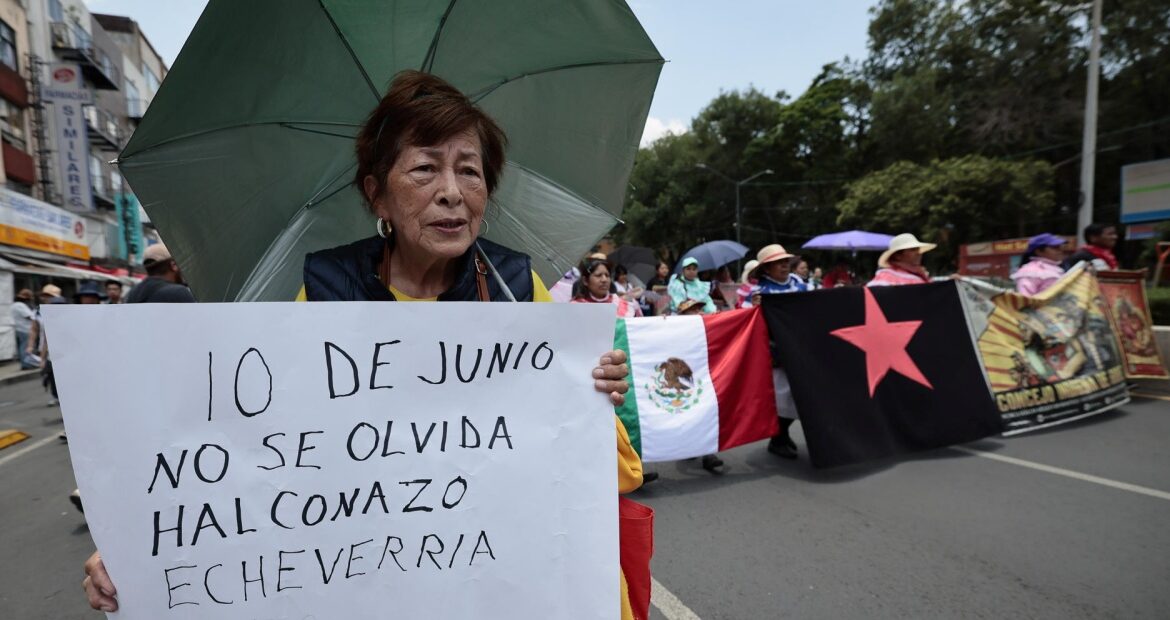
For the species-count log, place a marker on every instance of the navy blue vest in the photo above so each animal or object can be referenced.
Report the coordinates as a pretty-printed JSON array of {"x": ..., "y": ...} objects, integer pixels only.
[{"x": 350, "y": 273}]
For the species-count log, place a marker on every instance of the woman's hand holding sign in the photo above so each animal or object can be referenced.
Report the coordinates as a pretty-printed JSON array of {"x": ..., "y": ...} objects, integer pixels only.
[{"x": 610, "y": 376}]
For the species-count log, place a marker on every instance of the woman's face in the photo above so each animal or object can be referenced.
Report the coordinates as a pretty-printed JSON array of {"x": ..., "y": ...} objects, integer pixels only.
[
  {"x": 435, "y": 196},
  {"x": 663, "y": 270},
  {"x": 598, "y": 281},
  {"x": 912, "y": 257},
  {"x": 691, "y": 272},
  {"x": 802, "y": 270},
  {"x": 778, "y": 270},
  {"x": 1052, "y": 252},
  {"x": 623, "y": 278}
]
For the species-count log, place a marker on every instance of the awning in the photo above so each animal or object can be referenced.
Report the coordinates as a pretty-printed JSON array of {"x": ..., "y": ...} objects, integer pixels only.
[{"x": 24, "y": 264}]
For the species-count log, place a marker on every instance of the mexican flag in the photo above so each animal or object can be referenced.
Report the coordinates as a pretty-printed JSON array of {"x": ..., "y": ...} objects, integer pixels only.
[{"x": 698, "y": 384}]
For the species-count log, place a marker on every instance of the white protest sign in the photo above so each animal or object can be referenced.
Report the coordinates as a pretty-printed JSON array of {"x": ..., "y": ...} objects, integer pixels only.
[{"x": 344, "y": 460}]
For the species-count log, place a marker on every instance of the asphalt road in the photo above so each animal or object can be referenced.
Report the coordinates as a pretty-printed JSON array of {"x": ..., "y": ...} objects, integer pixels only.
[{"x": 946, "y": 534}]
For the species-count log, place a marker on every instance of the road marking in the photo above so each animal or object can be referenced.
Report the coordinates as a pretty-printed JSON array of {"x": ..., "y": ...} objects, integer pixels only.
[
  {"x": 668, "y": 603},
  {"x": 29, "y": 448},
  {"x": 1144, "y": 395},
  {"x": 1124, "y": 486}
]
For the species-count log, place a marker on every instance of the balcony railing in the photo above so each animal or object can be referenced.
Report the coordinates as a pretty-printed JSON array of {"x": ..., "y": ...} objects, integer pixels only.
[
  {"x": 104, "y": 131},
  {"x": 72, "y": 42}
]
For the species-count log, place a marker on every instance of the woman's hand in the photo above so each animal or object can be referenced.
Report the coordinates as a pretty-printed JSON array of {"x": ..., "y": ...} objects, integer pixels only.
[
  {"x": 98, "y": 587},
  {"x": 610, "y": 376}
]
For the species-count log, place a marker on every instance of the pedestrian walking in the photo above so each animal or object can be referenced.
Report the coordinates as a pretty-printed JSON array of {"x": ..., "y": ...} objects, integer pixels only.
[
  {"x": 428, "y": 200},
  {"x": 113, "y": 292},
  {"x": 1100, "y": 239},
  {"x": 89, "y": 293},
  {"x": 1041, "y": 266},
  {"x": 38, "y": 344},
  {"x": 164, "y": 282},
  {"x": 22, "y": 320},
  {"x": 773, "y": 272},
  {"x": 901, "y": 264}
]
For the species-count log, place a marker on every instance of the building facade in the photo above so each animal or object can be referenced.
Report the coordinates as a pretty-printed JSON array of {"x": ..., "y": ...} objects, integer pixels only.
[{"x": 73, "y": 86}]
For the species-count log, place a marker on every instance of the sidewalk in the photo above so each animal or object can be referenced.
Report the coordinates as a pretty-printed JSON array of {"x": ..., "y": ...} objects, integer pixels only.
[{"x": 10, "y": 373}]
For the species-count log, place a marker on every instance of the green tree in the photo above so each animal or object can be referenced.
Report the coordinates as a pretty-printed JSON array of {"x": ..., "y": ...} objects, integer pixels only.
[{"x": 953, "y": 201}]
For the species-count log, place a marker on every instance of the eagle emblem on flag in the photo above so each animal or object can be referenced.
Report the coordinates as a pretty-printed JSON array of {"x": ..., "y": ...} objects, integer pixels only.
[{"x": 675, "y": 387}]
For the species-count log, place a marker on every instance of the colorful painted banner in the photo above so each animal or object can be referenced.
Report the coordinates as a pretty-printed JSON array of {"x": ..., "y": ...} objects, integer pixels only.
[
  {"x": 1125, "y": 296},
  {"x": 1049, "y": 359},
  {"x": 29, "y": 223}
]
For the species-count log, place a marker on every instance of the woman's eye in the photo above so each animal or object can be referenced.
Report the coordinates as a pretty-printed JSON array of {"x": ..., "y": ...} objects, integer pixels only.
[
  {"x": 424, "y": 168},
  {"x": 471, "y": 171}
]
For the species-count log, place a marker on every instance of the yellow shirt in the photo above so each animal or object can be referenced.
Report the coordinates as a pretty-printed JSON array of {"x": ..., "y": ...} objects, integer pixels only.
[{"x": 628, "y": 462}]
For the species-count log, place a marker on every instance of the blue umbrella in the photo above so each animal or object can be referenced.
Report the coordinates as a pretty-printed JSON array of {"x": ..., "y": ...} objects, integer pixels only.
[
  {"x": 851, "y": 240},
  {"x": 714, "y": 254}
]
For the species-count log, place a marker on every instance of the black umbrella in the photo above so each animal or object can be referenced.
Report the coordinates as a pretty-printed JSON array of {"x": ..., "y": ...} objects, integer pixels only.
[{"x": 639, "y": 261}]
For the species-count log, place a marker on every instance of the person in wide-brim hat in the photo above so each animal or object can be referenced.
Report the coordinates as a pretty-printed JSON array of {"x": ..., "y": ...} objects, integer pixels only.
[
  {"x": 901, "y": 263},
  {"x": 769, "y": 254}
]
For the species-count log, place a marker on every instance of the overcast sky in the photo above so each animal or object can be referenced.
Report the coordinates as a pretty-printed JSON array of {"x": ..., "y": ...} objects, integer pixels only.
[{"x": 710, "y": 46}]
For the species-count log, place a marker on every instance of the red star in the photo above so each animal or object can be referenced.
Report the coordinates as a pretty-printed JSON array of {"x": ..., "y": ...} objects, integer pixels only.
[{"x": 884, "y": 344}]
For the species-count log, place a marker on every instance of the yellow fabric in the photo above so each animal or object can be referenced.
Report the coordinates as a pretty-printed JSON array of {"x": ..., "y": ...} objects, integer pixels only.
[{"x": 629, "y": 465}]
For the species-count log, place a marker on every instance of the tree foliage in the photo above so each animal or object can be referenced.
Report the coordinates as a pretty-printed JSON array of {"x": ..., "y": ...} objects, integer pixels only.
[{"x": 963, "y": 123}]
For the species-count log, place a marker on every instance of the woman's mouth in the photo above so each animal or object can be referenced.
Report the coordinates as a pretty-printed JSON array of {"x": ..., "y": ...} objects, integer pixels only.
[{"x": 449, "y": 226}]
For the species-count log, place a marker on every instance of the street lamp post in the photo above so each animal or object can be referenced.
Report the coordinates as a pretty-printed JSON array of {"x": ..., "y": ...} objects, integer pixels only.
[{"x": 737, "y": 184}]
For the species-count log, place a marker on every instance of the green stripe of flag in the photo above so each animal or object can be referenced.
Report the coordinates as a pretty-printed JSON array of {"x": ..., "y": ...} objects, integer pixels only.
[{"x": 628, "y": 412}]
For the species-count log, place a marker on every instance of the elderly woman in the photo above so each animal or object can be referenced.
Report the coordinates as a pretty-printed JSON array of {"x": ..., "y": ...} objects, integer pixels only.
[
  {"x": 901, "y": 263},
  {"x": 689, "y": 286},
  {"x": 597, "y": 288},
  {"x": 427, "y": 162}
]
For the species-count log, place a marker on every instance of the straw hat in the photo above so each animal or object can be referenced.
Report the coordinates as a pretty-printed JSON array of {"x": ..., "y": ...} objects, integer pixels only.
[
  {"x": 688, "y": 305},
  {"x": 770, "y": 254},
  {"x": 748, "y": 268},
  {"x": 51, "y": 290},
  {"x": 904, "y": 241}
]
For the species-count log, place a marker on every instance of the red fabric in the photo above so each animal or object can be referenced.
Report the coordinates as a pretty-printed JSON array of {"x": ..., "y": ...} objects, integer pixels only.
[
  {"x": 636, "y": 532},
  {"x": 741, "y": 370},
  {"x": 1104, "y": 254}
]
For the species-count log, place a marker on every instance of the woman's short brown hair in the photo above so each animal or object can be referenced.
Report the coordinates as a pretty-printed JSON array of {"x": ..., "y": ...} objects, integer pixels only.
[{"x": 421, "y": 109}]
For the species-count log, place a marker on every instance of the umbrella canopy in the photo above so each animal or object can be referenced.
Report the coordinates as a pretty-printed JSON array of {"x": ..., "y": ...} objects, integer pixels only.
[
  {"x": 854, "y": 240},
  {"x": 713, "y": 254},
  {"x": 245, "y": 158},
  {"x": 641, "y": 262}
]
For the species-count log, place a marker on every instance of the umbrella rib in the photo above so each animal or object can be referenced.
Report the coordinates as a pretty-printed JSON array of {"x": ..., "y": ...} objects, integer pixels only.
[
  {"x": 429, "y": 61},
  {"x": 477, "y": 97},
  {"x": 345, "y": 41},
  {"x": 203, "y": 132}
]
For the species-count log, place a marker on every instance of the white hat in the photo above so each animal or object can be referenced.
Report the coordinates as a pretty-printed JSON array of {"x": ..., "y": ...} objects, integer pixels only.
[
  {"x": 155, "y": 253},
  {"x": 904, "y": 241},
  {"x": 770, "y": 254},
  {"x": 748, "y": 268}
]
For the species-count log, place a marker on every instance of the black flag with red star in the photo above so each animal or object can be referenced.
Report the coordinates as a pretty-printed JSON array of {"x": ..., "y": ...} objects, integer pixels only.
[{"x": 881, "y": 371}]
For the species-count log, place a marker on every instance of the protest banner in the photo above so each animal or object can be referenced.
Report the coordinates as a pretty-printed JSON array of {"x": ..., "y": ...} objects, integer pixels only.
[
  {"x": 344, "y": 460},
  {"x": 1129, "y": 312},
  {"x": 1049, "y": 359}
]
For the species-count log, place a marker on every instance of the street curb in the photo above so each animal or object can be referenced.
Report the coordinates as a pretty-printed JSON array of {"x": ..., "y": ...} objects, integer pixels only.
[{"x": 20, "y": 377}]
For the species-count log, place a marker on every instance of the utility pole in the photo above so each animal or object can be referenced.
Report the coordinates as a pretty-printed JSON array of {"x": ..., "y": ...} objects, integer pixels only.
[
  {"x": 737, "y": 184},
  {"x": 1089, "y": 146}
]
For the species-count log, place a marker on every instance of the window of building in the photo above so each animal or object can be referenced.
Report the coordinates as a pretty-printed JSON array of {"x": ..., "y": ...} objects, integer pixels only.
[
  {"x": 151, "y": 80},
  {"x": 115, "y": 183},
  {"x": 12, "y": 124},
  {"x": 8, "y": 54},
  {"x": 134, "y": 104},
  {"x": 55, "y": 11},
  {"x": 95, "y": 175}
]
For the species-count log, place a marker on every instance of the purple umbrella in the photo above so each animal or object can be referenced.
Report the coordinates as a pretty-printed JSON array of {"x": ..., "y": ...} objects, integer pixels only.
[
  {"x": 713, "y": 254},
  {"x": 853, "y": 240}
]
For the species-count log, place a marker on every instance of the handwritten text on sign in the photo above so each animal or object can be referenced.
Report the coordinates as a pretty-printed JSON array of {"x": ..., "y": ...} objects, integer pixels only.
[{"x": 356, "y": 460}]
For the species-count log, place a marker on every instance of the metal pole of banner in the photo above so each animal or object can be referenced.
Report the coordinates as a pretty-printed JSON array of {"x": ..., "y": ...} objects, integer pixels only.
[{"x": 1089, "y": 145}]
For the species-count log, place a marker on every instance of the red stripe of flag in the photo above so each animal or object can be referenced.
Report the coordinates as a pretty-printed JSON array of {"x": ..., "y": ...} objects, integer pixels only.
[{"x": 741, "y": 370}]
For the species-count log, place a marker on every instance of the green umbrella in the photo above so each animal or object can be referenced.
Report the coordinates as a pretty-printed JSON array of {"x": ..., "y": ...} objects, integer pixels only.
[{"x": 245, "y": 158}]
